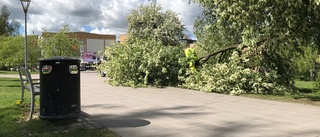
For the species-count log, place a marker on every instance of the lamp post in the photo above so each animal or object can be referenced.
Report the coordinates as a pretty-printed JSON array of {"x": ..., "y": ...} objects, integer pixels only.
[{"x": 25, "y": 5}]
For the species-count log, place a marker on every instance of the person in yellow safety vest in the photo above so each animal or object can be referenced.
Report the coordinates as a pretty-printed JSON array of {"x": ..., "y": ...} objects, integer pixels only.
[{"x": 191, "y": 57}]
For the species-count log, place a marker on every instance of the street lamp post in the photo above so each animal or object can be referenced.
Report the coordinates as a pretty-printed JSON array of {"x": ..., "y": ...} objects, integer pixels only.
[{"x": 25, "y": 5}]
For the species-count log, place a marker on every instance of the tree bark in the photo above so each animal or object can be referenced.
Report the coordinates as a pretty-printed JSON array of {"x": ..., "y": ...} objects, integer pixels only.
[
  {"x": 207, "y": 57},
  {"x": 204, "y": 59}
]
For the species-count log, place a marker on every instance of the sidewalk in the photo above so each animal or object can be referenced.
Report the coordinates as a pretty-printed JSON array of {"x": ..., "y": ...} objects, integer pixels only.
[{"x": 174, "y": 112}]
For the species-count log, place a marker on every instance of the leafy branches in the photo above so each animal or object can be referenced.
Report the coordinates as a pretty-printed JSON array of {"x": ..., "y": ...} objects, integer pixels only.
[
  {"x": 142, "y": 64},
  {"x": 233, "y": 78},
  {"x": 285, "y": 26},
  {"x": 60, "y": 44},
  {"x": 148, "y": 22},
  {"x": 6, "y": 28}
]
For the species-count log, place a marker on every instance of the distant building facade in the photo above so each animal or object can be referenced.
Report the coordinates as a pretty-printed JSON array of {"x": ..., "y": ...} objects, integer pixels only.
[{"x": 91, "y": 43}]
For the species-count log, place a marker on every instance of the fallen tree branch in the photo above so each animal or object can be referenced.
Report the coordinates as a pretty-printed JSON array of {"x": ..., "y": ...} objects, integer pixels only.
[{"x": 204, "y": 59}]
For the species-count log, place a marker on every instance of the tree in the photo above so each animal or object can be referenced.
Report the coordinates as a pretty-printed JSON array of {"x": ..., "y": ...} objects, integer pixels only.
[
  {"x": 142, "y": 64},
  {"x": 12, "y": 51},
  {"x": 62, "y": 43},
  {"x": 148, "y": 22},
  {"x": 152, "y": 54},
  {"x": 272, "y": 30},
  {"x": 11, "y": 55},
  {"x": 6, "y": 28},
  {"x": 34, "y": 52}
]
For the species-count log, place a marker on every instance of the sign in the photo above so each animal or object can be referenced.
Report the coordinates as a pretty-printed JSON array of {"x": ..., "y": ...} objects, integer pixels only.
[{"x": 90, "y": 57}]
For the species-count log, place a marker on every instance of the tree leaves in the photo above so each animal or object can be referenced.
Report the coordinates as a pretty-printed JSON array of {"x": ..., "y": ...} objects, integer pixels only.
[
  {"x": 142, "y": 64},
  {"x": 6, "y": 28},
  {"x": 286, "y": 25},
  {"x": 148, "y": 22},
  {"x": 60, "y": 44}
]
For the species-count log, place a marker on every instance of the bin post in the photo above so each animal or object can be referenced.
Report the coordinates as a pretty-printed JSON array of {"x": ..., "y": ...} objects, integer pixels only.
[{"x": 59, "y": 88}]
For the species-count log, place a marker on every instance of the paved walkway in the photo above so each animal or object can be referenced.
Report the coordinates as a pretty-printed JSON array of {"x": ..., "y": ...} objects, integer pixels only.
[{"x": 174, "y": 112}]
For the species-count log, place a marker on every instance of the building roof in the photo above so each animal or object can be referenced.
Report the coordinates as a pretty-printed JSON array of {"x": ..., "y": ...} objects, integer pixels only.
[{"x": 85, "y": 35}]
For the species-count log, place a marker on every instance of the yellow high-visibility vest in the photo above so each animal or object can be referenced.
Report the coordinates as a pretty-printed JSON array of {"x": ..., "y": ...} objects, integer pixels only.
[{"x": 190, "y": 54}]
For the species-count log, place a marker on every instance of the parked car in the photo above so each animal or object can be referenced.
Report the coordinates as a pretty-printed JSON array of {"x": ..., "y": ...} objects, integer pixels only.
[
  {"x": 87, "y": 66},
  {"x": 83, "y": 66},
  {"x": 91, "y": 66}
]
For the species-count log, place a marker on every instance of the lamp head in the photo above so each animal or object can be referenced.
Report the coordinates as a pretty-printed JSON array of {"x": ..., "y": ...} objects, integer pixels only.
[{"x": 25, "y": 7}]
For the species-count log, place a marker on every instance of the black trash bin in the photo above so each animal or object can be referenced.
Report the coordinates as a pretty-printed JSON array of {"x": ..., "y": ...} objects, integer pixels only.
[{"x": 60, "y": 88}]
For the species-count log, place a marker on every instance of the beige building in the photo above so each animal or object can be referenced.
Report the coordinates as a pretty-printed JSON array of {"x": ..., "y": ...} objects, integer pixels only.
[
  {"x": 92, "y": 42},
  {"x": 123, "y": 38}
]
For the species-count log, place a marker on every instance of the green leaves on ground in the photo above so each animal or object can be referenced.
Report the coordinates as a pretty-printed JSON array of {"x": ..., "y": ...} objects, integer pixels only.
[{"x": 233, "y": 78}]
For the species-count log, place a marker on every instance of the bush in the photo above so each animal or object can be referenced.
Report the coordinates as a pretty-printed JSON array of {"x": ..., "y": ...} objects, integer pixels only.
[
  {"x": 305, "y": 61},
  {"x": 233, "y": 78},
  {"x": 143, "y": 64}
]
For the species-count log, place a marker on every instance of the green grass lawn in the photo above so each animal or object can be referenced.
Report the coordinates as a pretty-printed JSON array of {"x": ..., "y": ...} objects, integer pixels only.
[
  {"x": 13, "y": 117},
  {"x": 307, "y": 94},
  {"x": 15, "y": 72},
  {"x": 8, "y": 72}
]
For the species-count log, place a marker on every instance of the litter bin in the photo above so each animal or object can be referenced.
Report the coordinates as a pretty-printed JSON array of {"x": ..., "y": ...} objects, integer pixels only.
[{"x": 60, "y": 88}]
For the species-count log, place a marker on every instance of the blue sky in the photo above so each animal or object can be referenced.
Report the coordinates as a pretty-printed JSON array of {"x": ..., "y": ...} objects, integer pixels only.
[{"x": 98, "y": 16}]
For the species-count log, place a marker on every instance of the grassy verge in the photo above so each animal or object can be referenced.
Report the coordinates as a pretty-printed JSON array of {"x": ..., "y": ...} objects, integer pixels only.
[
  {"x": 8, "y": 72},
  {"x": 307, "y": 95},
  {"x": 15, "y": 72},
  {"x": 13, "y": 117}
]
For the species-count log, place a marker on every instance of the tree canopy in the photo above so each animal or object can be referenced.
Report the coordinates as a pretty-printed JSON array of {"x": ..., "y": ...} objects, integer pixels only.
[
  {"x": 272, "y": 30},
  {"x": 292, "y": 22},
  {"x": 12, "y": 51},
  {"x": 149, "y": 22},
  {"x": 62, "y": 43},
  {"x": 7, "y": 28}
]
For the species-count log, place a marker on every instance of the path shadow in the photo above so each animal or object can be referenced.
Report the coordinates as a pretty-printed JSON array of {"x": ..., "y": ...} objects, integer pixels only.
[
  {"x": 138, "y": 119},
  {"x": 117, "y": 122}
]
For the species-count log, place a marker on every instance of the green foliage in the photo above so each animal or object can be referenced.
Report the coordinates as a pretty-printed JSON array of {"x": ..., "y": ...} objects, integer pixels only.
[
  {"x": 6, "y": 28},
  {"x": 304, "y": 62},
  {"x": 12, "y": 51},
  {"x": 151, "y": 55},
  {"x": 273, "y": 29},
  {"x": 34, "y": 51},
  {"x": 141, "y": 64},
  {"x": 62, "y": 43},
  {"x": 317, "y": 83},
  {"x": 284, "y": 21},
  {"x": 148, "y": 22},
  {"x": 233, "y": 78}
]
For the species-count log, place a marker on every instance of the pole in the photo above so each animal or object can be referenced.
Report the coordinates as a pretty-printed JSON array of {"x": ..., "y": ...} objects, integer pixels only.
[
  {"x": 25, "y": 10},
  {"x": 25, "y": 42}
]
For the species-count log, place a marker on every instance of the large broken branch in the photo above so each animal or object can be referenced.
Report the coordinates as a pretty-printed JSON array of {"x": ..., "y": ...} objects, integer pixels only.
[
  {"x": 235, "y": 46},
  {"x": 206, "y": 58}
]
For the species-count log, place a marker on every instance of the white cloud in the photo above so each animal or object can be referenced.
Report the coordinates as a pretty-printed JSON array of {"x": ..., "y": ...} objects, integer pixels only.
[{"x": 99, "y": 16}]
